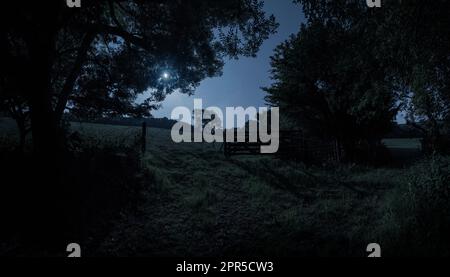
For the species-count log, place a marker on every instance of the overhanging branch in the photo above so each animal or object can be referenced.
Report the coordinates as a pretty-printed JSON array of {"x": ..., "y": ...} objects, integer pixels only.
[
  {"x": 92, "y": 32},
  {"x": 73, "y": 76}
]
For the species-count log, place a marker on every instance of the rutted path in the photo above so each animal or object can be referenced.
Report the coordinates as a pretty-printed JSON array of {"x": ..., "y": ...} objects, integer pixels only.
[{"x": 199, "y": 206}]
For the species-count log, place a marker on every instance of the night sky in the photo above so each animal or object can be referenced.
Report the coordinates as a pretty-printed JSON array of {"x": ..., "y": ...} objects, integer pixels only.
[{"x": 241, "y": 82}]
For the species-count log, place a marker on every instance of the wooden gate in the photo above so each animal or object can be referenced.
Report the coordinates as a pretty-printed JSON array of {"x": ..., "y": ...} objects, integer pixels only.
[{"x": 293, "y": 145}]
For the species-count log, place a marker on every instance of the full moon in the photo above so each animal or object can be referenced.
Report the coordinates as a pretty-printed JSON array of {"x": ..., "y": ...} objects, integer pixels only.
[{"x": 166, "y": 75}]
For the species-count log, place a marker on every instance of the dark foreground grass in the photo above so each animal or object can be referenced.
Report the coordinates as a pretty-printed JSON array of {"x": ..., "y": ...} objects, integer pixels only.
[{"x": 191, "y": 201}]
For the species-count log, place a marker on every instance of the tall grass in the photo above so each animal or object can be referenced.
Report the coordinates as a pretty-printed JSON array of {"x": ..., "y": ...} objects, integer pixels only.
[{"x": 416, "y": 219}]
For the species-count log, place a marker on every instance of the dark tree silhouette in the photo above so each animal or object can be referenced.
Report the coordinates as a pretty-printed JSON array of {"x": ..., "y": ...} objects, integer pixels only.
[
  {"x": 99, "y": 58},
  {"x": 103, "y": 55},
  {"x": 329, "y": 81},
  {"x": 410, "y": 41},
  {"x": 352, "y": 68}
]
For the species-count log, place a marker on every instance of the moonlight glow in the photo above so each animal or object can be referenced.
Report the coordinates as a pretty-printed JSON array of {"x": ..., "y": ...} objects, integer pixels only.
[{"x": 165, "y": 75}]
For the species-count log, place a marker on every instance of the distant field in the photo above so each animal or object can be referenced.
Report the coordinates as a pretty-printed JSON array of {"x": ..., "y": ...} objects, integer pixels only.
[
  {"x": 8, "y": 127},
  {"x": 413, "y": 143}
]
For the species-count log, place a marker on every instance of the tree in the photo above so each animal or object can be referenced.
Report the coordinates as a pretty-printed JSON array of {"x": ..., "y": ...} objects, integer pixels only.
[
  {"x": 99, "y": 58},
  {"x": 401, "y": 51},
  {"x": 420, "y": 38},
  {"x": 12, "y": 98},
  {"x": 330, "y": 83},
  {"x": 112, "y": 51}
]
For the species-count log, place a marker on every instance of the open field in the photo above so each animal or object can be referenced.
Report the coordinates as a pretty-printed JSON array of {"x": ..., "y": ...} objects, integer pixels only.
[
  {"x": 199, "y": 203},
  {"x": 413, "y": 143},
  {"x": 404, "y": 151},
  {"x": 203, "y": 204}
]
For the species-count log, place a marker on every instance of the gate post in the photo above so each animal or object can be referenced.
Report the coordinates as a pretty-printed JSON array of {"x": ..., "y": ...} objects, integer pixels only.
[{"x": 144, "y": 137}]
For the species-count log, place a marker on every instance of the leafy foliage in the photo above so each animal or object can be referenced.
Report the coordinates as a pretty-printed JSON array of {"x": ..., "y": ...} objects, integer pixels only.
[
  {"x": 351, "y": 69},
  {"x": 328, "y": 79}
]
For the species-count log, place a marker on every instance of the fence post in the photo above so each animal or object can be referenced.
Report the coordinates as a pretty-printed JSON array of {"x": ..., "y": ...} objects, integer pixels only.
[
  {"x": 225, "y": 144},
  {"x": 144, "y": 137},
  {"x": 338, "y": 151}
]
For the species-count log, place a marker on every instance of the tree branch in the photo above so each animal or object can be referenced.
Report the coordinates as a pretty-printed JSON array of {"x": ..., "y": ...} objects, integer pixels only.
[
  {"x": 92, "y": 31},
  {"x": 131, "y": 38},
  {"x": 73, "y": 76}
]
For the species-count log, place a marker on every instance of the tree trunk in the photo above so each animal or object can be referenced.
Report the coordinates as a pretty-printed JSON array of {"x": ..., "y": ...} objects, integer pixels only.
[
  {"x": 43, "y": 122},
  {"x": 46, "y": 191}
]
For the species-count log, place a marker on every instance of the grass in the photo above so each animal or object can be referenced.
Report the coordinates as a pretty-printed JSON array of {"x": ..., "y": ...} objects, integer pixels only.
[
  {"x": 413, "y": 143},
  {"x": 416, "y": 216},
  {"x": 202, "y": 204}
]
